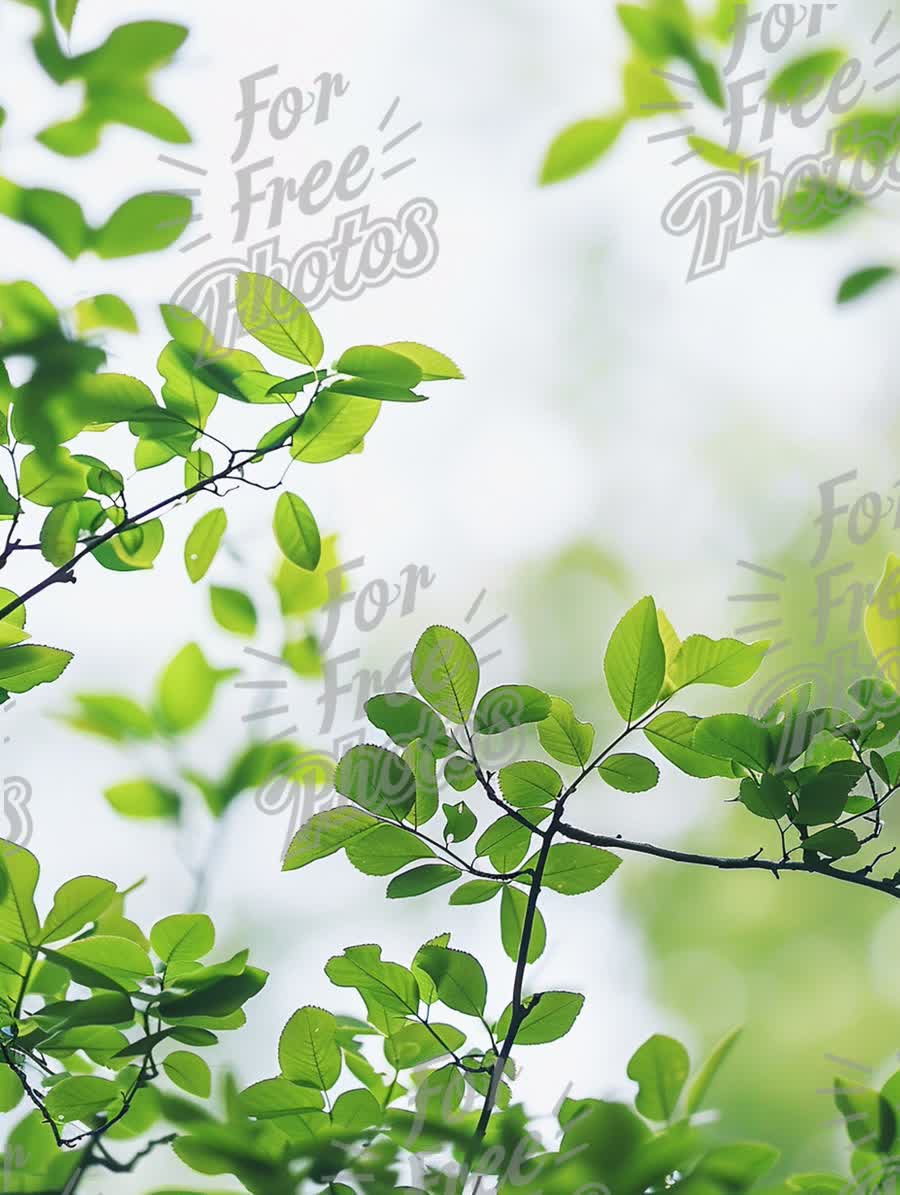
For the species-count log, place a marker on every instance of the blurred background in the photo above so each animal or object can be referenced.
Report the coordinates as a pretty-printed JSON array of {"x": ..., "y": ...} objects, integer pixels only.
[{"x": 620, "y": 432}]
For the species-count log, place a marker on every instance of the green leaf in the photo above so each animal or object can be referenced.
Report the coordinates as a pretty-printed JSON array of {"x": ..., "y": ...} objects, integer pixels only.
[
  {"x": 512, "y": 919},
  {"x": 649, "y": 31},
  {"x": 635, "y": 661},
  {"x": 475, "y": 892},
  {"x": 629, "y": 773},
  {"x": 646, "y": 92},
  {"x": 143, "y": 224},
  {"x": 736, "y": 1166},
  {"x": 101, "y": 480},
  {"x": 672, "y": 734},
  {"x": 460, "y": 822},
  {"x": 805, "y": 77},
  {"x": 10, "y": 634},
  {"x": 405, "y": 718},
  {"x": 579, "y": 146},
  {"x": 869, "y": 133},
  {"x": 870, "y": 1119},
  {"x": 189, "y": 1072},
  {"x": 238, "y": 374},
  {"x": 882, "y": 621},
  {"x": 326, "y": 833},
  {"x": 11, "y": 1089},
  {"x": 202, "y": 544},
  {"x": 186, "y": 689},
  {"x": 818, "y": 1184},
  {"x": 181, "y": 939},
  {"x": 458, "y": 977},
  {"x": 361, "y": 967},
  {"x": 143, "y": 798},
  {"x": 77, "y": 903},
  {"x": 271, "y": 1098},
  {"x": 83, "y": 1097},
  {"x": 215, "y": 1000},
  {"x": 660, "y": 1068},
  {"x": 378, "y": 391},
  {"x": 106, "y": 961},
  {"x": 198, "y": 467},
  {"x": 376, "y": 779},
  {"x": 421, "y": 762},
  {"x": 300, "y": 382},
  {"x": 574, "y": 867},
  {"x": 836, "y": 842},
  {"x": 385, "y": 850},
  {"x": 565, "y": 738},
  {"x": 439, "y": 1096},
  {"x": 186, "y": 396},
  {"x": 816, "y": 204},
  {"x": 720, "y": 157},
  {"x": 134, "y": 548},
  {"x": 274, "y": 317},
  {"x": 769, "y": 798},
  {"x": 279, "y": 435},
  {"x": 422, "y": 879},
  {"x": 507, "y": 706},
  {"x": 296, "y": 531},
  {"x": 707, "y": 1073},
  {"x": 18, "y": 916},
  {"x": 550, "y": 1016},
  {"x": 303, "y": 656},
  {"x": 460, "y": 773},
  {"x": 823, "y": 797},
  {"x": 355, "y": 1111},
  {"x": 379, "y": 365},
  {"x": 414, "y": 1045},
  {"x": 51, "y": 213},
  {"x": 506, "y": 841},
  {"x": 435, "y": 366},
  {"x": 51, "y": 478},
  {"x": 8, "y": 504},
  {"x": 334, "y": 426},
  {"x": 22, "y": 668},
  {"x": 261, "y": 762},
  {"x": 102, "y": 311},
  {"x": 300, "y": 592},
  {"x": 18, "y": 616},
  {"x": 445, "y": 671},
  {"x": 233, "y": 610},
  {"x": 65, "y": 13},
  {"x": 735, "y": 737},
  {"x": 726, "y": 662},
  {"x": 529, "y": 784},
  {"x": 308, "y": 1051},
  {"x": 59, "y": 533}
]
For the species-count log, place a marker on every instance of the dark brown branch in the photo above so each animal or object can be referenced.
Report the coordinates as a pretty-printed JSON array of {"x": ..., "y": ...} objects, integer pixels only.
[
  {"x": 108, "y": 1162},
  {"x": 65, "y": 571},
  {"x": 751, "y": 863}
]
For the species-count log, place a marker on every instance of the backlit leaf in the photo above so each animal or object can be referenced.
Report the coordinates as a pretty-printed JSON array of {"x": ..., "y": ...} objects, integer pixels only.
[
  {"x": 277, "y": 319},
  {"x": 297, "y": 532},
  {"x": 307, "y": 1050},
  {"x": 660, "y": 1068},
  {"x": 635, "y": 661},
  {"x": 565, "y": 738},
  {"x": 445, "y": 671}
]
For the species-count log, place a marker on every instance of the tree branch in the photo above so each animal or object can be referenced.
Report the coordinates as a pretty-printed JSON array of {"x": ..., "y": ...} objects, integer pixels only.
[
  {"x": 65, "y": 571},
  {"x": 751, "y": 863}
]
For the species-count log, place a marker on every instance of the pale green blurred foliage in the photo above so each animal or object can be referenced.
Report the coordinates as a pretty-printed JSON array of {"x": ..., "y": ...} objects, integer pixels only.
[{"x": 812, "y": 969}]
